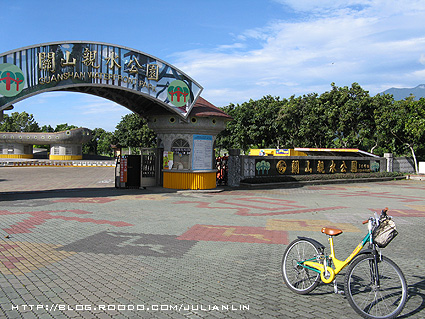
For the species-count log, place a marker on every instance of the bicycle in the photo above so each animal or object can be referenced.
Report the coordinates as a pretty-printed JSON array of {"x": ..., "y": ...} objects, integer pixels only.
[{"x": 374, "y": 285}]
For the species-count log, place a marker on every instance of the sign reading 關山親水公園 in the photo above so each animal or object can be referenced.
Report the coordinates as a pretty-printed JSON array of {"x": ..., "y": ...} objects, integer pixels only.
[
  {"x": 276, "y": 167},
  {"x": 96, "y": 68}
]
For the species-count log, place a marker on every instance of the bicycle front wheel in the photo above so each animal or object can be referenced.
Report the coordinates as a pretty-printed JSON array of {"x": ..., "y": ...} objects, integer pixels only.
[
  {"x": 371, "y": 298},
  {"x": 298, "y": 278}
]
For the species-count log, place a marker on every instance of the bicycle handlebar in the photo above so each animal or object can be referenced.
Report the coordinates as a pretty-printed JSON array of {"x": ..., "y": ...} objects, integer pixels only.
[
  {"x": 383, "y": 215},
  {"x": 384, "y": 212}
]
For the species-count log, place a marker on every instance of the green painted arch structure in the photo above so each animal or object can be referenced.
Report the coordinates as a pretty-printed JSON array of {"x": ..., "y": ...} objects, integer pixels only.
[{"x": 138, "y": 81}]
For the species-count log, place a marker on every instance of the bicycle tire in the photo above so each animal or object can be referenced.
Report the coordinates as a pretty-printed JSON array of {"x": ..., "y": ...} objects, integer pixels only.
[
  {"x": 299, "y": 279},
  {"x": 383, "y": 302}
]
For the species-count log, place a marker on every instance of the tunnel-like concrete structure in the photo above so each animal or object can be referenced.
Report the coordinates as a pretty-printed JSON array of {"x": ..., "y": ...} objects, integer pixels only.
[{"x": 65, "y": 145}]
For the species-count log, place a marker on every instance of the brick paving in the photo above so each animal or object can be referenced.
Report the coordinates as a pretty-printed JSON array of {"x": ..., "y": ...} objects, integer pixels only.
[{"x": 73, "y": 246}]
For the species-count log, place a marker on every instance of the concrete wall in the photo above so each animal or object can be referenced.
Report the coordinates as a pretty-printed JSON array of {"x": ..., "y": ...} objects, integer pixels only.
[
  {"x": 243, "y": 166},
  {"x": 14, "y": 150},
  {"x": 404, "y": 165},
  {"x": 399, "y": 164}
]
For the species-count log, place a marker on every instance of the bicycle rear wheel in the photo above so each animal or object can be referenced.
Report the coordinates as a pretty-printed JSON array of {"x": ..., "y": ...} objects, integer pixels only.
[
  {"x": 370, "y": 300},
  {"x": 298, "y": 278}
]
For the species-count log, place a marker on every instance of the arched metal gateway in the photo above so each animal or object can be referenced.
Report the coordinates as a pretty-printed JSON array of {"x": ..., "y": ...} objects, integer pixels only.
[{"x": 144, "y": 84}]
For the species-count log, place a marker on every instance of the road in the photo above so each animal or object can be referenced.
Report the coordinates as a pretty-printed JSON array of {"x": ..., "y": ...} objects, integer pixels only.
[{"x": 73, "y": 246}]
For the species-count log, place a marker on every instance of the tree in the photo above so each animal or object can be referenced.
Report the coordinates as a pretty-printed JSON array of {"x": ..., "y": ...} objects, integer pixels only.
[
  {"x": 378, "y": 140},
  {"x": 47, "y": 129},
  {"x": 304, "y": 122},
  {"x": 343, "y": 117},
  {"x": 254, "y": 125},
  {"x": 104, "y": 144},
  {"x": 100, "y": 143},
  {"x": 19, "y": 122},
  {"x": 133, "y": 131},
  {"x": 64, "y": 127},
  {"x": 350, "y": 116},
  {"x": 401, "y": 125}
]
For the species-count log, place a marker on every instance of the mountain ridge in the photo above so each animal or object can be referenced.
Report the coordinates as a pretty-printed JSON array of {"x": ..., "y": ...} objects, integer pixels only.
[{"x": 402, "y": 93}]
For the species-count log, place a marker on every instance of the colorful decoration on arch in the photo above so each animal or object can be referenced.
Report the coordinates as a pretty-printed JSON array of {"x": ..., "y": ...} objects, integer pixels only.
[
  {"x": 178, "y": 92},
  {"x": 12, "y": 80}
]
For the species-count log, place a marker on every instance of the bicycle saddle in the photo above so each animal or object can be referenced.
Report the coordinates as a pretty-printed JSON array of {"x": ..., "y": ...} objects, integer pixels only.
[{"x": 331, "y": 231}]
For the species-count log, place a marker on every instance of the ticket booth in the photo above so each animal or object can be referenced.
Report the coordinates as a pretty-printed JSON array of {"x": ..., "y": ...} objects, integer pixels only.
[
  {"x": 185, "y": 156},
  {"x": 188, "y": 157}
]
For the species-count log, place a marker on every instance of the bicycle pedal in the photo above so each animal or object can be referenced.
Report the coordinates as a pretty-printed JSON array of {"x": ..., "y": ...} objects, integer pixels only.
[
  {"x": 336, "y": 290},
  {"x": 339, "y": 292}
]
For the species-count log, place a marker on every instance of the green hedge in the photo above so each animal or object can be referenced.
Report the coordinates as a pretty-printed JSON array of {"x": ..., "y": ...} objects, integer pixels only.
[{"x": 317, "y": 177}]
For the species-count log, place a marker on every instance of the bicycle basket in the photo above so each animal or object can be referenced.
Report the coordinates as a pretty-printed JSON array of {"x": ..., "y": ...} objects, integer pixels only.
[{"x": 384, "y": 233}]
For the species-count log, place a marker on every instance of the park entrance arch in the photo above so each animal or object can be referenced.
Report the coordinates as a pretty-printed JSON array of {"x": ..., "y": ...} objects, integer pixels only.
[
  {"x": 140, "y": 82},
  {"x": 144, "y": 84}
]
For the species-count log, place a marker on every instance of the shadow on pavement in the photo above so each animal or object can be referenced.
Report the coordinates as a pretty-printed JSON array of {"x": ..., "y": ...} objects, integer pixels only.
[
  {"x": 80, "y": 192},
  {"x": 415, "y": 291},
  {"x": 112, "y": 191}
]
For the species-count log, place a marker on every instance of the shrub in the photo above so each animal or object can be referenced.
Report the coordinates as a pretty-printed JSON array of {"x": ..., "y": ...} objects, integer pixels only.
[{"x": 317, "y": 177}]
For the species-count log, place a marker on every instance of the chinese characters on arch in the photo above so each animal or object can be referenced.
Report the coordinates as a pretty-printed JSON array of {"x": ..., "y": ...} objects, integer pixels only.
[{"x": 112, "y": 61}]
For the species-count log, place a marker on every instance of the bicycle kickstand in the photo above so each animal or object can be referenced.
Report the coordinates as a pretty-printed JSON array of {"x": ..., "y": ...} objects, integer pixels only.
[{"x": 341, "y": 292}]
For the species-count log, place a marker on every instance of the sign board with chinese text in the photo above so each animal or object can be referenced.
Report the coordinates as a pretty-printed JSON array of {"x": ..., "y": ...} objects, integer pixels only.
[
  {"x": 123, "y": 170},
  {"x": 92, "y": 67},
  {"x": 202, "y": 154},
  {"x": 305, "y": 166}
]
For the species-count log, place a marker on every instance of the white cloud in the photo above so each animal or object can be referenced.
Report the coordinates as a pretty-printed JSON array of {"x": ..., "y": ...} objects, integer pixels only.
[
  {"x": 366, "y": 7},
  {"x": 419, "y": 76},
  {"x": 322, "y": 5},
  {"x": 231, "y": 46},
  {"x": 374, "y": 43}
]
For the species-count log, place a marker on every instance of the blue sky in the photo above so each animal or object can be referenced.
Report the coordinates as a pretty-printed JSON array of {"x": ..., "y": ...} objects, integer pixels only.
[{"x": 237, "y": 50}]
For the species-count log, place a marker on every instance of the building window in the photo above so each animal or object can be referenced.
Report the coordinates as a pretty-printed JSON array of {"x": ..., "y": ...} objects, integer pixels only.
[
  {"x": 27, "y": 149},
  {"x": 181, "y": 152}
]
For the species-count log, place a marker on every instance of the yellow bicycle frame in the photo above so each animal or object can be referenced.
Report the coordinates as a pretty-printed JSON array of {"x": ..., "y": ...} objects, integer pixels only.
[{"x": 338, "y": 264}]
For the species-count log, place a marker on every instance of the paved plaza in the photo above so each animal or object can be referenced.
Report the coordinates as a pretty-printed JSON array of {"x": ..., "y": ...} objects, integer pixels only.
[{"x": 73, "y": 246}]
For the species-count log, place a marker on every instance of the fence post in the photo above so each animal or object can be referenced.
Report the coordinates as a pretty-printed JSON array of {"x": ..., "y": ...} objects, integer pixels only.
[
  {"x": 390, "y": 161},
  {"x": 234, "y": 168}
]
